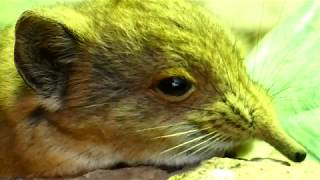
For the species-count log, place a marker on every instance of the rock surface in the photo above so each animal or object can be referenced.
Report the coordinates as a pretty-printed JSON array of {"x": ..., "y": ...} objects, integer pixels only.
[
  {"x": 231, "y": 169},
  {"x": 215, "y": 169},
  {"x": 133, "y": 173}
]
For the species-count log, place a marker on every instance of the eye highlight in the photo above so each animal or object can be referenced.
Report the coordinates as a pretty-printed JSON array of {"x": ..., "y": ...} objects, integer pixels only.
[{"x": 174, "y": 88}]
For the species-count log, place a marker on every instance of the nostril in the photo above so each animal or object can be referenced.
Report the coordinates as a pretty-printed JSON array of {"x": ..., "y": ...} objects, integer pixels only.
[{"x": 300, "y": 156}]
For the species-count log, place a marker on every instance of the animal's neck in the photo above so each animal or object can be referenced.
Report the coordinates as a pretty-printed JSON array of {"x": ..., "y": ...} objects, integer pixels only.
[{"x": 7, "y": 152}]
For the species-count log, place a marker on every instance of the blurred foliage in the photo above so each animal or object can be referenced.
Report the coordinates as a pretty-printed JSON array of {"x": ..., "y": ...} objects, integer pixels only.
[
  {"x": 286, "y": 62},
  {"x": 11, "y": 9}
]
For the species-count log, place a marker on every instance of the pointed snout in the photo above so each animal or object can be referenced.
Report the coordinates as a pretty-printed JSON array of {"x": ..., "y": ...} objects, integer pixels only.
[{"x": 277, "y": 138}]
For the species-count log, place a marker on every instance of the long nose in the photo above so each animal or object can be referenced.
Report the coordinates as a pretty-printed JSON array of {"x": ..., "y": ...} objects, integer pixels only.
[
  {"x": 275, "y": 136},
  {"x": 265, "y": 122}
]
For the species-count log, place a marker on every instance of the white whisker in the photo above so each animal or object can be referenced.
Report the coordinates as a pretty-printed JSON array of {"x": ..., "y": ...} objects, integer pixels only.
[
  {"x": 216, "y": 137},
  {"x": 180, "y": 133},
  {"x": 183, "y": 144},
  {"x": 180, "y": 153}
]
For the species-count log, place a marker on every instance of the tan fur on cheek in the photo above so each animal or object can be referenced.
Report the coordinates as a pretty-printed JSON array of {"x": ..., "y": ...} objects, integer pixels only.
[
  {"x": 63, "y": 155},
  {"x": 22, "y": 108}
]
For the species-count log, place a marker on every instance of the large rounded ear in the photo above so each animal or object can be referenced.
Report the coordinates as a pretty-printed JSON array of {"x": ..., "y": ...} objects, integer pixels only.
[{"x": 43, "y": 51}]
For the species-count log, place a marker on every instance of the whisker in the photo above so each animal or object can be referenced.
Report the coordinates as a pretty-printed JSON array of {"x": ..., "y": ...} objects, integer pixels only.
[
  {"x": 207, "y": 149},
  {"x": 216, "y": 137},
  {"x": 183, "y": 144},
  {"x": 190, "y": 132},
  {"x": 210, "y": 138},
  {"x": 221, "y": 149}
]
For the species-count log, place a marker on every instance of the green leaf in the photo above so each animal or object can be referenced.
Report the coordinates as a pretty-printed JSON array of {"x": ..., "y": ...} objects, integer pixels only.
[{"x": 287, "y": 63}]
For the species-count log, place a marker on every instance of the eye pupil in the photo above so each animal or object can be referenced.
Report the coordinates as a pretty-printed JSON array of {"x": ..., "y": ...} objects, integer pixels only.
[{"x": 174, "y": 86}]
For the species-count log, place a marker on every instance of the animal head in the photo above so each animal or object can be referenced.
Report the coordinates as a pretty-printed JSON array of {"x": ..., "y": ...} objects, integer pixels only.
[{"x": 155, "y": 81}]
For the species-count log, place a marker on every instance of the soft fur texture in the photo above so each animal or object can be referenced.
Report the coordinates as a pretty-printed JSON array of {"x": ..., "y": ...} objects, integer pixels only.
[{"x": 88, "y": 95}]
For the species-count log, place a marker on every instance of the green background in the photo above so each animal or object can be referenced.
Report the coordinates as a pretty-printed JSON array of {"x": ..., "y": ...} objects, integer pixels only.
[{"x": 11, "y": 9}]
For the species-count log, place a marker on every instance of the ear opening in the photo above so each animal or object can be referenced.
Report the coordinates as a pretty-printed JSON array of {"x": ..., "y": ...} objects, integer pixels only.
[{"x": 44, "y": 50}]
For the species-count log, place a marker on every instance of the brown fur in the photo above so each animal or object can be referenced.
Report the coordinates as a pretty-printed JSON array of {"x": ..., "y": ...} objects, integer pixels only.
[{"x": 90, "y": 96}]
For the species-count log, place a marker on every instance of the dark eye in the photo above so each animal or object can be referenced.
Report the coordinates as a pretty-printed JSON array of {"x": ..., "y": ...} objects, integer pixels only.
[{"x": 174, "y": 86}]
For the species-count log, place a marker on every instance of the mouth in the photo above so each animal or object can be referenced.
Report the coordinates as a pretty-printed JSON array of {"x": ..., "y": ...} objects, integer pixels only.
[
  {"x": 184, "y": 162},
  {"x": 170, "y": 169}
]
